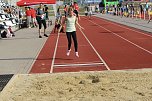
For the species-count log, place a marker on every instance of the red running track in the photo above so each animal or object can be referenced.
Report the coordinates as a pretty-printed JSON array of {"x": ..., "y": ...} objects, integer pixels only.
[{"x": 103, "y": 45}]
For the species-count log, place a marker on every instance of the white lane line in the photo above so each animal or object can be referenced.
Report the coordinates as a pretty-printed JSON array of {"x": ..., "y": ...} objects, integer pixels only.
[
  {"x": 51, "y": 70},
  {"x": 128, "y": 28},
  {"x": 63, "y": 46},
  {"x": 123, "y": 38},
  {"x": 95, "y": 50},
  {"x": 73, "y": 65}
]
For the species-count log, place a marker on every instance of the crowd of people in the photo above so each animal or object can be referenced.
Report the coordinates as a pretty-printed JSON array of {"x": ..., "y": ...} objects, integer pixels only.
[
  {"x": 126, "y": 9},
  {"x": 31, "y": 15},
  {"x": 9, "y": 18}
]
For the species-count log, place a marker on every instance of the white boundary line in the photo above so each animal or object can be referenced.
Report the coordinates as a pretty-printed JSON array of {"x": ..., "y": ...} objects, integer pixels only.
[
  {"x": 123, "y": 38},
  {"x": 79, "y": 45},
  {"x": 51, "y": 71},
  {"x": 127, "y": 28},
  {"x": 95, "y": 50},
  {"x": 73, "y": 65}
]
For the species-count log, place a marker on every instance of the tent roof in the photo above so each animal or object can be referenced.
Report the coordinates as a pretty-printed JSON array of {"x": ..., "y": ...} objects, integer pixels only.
[{"x": 34, "y": 2}]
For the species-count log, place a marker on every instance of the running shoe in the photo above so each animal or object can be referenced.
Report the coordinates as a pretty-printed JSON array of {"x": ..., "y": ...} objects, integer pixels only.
[
  {"x": 76, "y": 54},
  {"x": 40, "y": 36},
  {"x": 45, "y": 35},
  {"x": 68, "y": 52}
]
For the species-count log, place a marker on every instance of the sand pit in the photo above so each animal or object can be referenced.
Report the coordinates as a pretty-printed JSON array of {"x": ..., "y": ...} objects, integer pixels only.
[{"x": 84, "y": 86}]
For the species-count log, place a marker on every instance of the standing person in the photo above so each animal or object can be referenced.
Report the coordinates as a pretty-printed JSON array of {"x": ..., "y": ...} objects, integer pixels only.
[
  {"x": 58, "y": 20},
  {"x": 28, "y": 16},
  {"x": 86, "y": 10},
  {"x": 40, "y": 16},
  {"x": 9, "y": 11},
  {"x": 46, "y": 12},
  {"x": 65, "y": 10},
  {"x": 107, "y": 8},
  {"x": 58, "y": 13},
  {"x": 76, "y": 9},
  {"x": 71, "y": 21},
  {"x": 141, "y": 9},
  {"x": 132, "y": 9},
  {"x": 147, "y": 7},
  {"x": 90, "y": 11},
  {"x": 20, "y": 17},
  {"x": 33, "y": 16},
  {"x": 101, "y": 6}
]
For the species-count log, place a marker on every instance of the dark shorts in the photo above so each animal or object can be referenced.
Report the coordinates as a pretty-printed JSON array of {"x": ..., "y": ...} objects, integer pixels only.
[{"x": 40, "y": 22}]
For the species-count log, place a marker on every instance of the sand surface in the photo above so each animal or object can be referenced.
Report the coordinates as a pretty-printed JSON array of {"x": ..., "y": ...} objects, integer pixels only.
[{"x": 84, "y": 86}]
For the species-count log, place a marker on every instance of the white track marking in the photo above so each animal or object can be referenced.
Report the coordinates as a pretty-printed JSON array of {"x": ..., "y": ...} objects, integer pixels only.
[
  {"x": 74, "y": 65},
  {"x": 62, "y": 46},
  {"x": 51, "y": 71},
  {"x": 128, "y": 28},
  {"x": 95, "y": 50},
  {"x": 122, "y": 38}
]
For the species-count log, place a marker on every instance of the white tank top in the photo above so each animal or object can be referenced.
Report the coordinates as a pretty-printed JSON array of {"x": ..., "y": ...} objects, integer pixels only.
[{"x": 70, "y": 24}]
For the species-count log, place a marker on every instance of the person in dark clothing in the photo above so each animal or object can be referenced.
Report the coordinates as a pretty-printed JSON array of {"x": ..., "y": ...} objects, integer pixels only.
[
  {"x": 76, "y": 9},
  {"x": 46, "y": 12},
  {"x": 41, "y": 19},
  {"x": 141, "y": 9},
  {"x": 101, "y": 6},
  {"x": 65, "y": 10}
]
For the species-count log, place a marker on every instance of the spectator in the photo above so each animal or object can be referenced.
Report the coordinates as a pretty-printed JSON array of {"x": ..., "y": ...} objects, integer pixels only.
[
  {"x": 9, "y": 11},
  {"x": 141, "y": 9},
  {"x": 90, "y": 11},
  {"x": 58, "y": 26},
  {"x": 86, "y": 10},
  {"x": 147, "y": 6},
  {"x": 33, "y": 16},
  {"x": 46, "y": 12},
  {"x": 40, "y": 16},
  {"x": 58, "y": 13},
  {"x": 58, "y": 21},
  {"x": 65, "y": 10},
  {"x": 107, "y": 8},
  {"x": 11, "y": 32},
  {"x": 20, "y": 14},
  {"x": 76, "y": 9},
  {"x": 101, "y": 6},
  {"x": 28, "y": 16}
]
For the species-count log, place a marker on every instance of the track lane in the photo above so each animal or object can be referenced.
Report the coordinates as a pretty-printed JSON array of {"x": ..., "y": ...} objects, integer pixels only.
[
  {"x": 43, "y": 62},
  {"x": 143, "y": 39},
  {"x": 87, "y": 56},
  {"x": 117, "y": 53}
]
